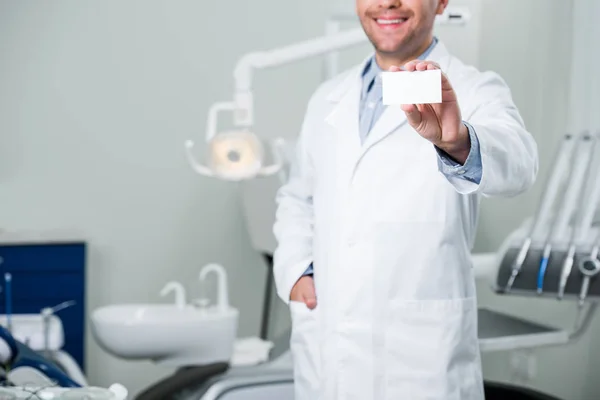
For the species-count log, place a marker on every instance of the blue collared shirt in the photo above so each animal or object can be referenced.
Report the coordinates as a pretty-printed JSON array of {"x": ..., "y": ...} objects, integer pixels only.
[{"x": 371, "y": 108}]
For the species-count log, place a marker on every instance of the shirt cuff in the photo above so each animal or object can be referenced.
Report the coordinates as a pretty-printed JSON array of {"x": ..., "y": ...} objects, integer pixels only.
[
  {"x": 472, "y": 168},
  {"x": 309, "y": 270}
]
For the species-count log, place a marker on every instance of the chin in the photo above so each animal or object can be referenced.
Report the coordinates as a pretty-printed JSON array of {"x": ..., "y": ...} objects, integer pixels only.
[{"x": 389, "y": 48}]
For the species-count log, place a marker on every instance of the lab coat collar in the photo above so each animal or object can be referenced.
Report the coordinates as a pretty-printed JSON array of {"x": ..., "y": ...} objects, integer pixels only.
[{"x": 353, "y": 76}]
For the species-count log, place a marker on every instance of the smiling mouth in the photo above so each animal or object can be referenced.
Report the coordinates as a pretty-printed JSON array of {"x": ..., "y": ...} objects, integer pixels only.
[{"x": 389, "y": 23}]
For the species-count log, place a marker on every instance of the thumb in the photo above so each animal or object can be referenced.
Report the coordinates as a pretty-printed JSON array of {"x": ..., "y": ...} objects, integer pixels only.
[
  {"x": 413, "y": 115},
  {"x": 310, "y": 298}
]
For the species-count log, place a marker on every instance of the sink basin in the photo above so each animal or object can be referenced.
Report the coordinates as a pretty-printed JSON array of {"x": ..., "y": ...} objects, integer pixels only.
[
  {"x": 178, "y": 335},
  {"x": 165, "y": 333}
]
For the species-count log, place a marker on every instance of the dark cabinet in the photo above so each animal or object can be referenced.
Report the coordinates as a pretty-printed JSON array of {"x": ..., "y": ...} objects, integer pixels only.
[{"x": 45, "y": 275}]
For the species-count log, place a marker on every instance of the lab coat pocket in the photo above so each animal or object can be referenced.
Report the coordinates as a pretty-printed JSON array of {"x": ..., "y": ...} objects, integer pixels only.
[
  {"x": 304, "y": 346},
  {"x": 433, "y": 351}
]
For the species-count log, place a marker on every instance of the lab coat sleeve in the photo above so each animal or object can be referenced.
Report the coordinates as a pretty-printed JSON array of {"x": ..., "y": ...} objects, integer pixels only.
[
  {"x": 471, "y": 170},
  {"x": 293, "y": 227},
  {"x": 509, "y": 155}
]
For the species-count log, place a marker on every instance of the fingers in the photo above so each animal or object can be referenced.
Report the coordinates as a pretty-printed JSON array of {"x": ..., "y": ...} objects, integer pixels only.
[
  {"x": 413, "y": 114},
  {"x": 304, "y": 292},
  {"x": 308, "y": 293},
  {"x": 416, "y": 65},
  {"x": 420, "y": 65},
  {"x": 409, "y": 108},
  {"x": 310, "y": 299}
]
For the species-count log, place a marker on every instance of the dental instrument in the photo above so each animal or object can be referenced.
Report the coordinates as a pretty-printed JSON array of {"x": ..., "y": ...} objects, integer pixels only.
[
  {"x": 569, "y": 202},
  {"x": 8, "y": 284},
  {"x": 554, "y": 183},
  {"x": 47, "y": 314},
  {"x": 593, "y": 197},
  {"x": 579, "y": 228},
  {"x": 589, "y": 268}
]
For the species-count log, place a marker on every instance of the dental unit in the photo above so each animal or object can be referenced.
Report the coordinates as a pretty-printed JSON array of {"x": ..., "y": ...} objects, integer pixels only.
[
  {"x": 569, "y": 204},
  {"x": 30, "y": 374},
  {"x": 582, "y": 223}
]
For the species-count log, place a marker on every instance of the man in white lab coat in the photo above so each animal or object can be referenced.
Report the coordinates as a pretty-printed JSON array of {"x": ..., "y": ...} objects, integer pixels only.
[{"x": 377, "y": 221}]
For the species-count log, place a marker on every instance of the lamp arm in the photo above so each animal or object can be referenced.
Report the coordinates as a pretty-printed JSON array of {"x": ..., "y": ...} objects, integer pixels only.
[{"x": 243, "y": 115}]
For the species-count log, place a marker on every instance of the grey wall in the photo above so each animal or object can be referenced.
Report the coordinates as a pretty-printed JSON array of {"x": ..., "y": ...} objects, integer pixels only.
[{"x": 97, "y": 98}]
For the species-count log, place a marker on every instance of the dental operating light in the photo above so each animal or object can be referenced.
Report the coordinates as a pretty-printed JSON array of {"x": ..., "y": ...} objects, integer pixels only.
[{"x": 239, "y": 154}]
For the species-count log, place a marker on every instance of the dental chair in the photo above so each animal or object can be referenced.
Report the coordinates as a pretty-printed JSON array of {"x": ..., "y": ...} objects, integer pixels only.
[
  {"x": 272, "y": 380},
  {"x": 27, "y": 374},
  {"x": 23, "y": 366}
]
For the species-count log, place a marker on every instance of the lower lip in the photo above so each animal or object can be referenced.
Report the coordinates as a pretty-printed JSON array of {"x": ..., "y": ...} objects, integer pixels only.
[{"x": 390, "y": 26}]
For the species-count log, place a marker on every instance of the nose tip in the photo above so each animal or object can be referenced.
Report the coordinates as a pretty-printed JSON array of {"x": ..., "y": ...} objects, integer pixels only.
[{"x": 390, "y": 3}]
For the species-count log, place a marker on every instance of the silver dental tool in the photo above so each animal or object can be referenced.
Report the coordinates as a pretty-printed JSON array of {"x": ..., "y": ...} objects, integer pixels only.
[
  {"x": 568, "y": 204},
  {"x": 589, "y": 267},
  {"x": 578, "y": 227}
]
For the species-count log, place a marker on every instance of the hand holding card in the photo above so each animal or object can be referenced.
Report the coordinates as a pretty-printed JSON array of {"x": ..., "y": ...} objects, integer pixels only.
[{"x": 426, "y": 96}]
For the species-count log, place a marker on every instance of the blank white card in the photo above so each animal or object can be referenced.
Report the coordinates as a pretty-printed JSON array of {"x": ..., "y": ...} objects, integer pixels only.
[{"x": 417, "y": 87}]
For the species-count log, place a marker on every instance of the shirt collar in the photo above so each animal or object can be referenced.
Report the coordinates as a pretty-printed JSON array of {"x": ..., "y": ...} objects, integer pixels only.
[{"x": 372, "y": 71}]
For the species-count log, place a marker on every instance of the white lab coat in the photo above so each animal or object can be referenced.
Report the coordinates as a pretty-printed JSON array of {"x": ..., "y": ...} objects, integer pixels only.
[{"x": 390, "y": 237}]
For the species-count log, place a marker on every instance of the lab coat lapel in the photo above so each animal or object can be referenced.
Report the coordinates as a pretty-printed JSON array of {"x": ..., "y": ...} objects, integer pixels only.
[
  {"x": 344, "y": 116},
  {"x": 390, "y": 120}
]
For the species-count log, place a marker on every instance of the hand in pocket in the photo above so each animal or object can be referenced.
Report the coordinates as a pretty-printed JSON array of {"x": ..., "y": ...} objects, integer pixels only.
[{"x": 304, "y": 292}]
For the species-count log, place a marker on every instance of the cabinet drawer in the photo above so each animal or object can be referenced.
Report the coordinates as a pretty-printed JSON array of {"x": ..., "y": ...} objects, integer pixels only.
[
  {"x": 57, "y": 257},
  {"x": 44, "y": 285}
]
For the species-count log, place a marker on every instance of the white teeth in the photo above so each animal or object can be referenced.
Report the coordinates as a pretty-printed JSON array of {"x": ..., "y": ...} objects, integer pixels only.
[{"x": 390, "y": 21}]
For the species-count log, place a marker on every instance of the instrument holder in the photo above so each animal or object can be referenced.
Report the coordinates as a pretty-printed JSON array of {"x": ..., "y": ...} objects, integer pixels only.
[{"x": 526, "y": 282}]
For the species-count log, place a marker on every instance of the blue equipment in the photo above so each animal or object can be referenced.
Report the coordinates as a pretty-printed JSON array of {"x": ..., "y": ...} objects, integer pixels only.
[{"x": 15, "y": 355}]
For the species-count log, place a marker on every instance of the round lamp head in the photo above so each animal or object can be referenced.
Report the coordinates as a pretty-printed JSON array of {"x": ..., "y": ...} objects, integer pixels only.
[{"x": 235, "y": 155}]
